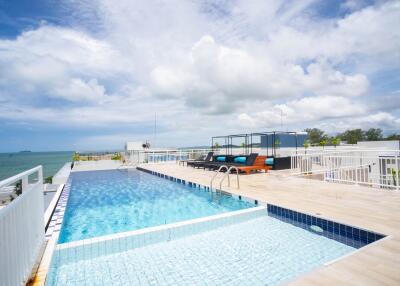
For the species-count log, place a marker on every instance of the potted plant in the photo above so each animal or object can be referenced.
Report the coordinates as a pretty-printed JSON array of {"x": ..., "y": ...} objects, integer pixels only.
[
  {"x": 394, "y": 176},
  {"x": 76, "y": 157}
]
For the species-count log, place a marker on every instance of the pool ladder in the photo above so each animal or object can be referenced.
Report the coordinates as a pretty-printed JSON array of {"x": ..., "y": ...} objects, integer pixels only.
[{"x": 228, "y": 170}]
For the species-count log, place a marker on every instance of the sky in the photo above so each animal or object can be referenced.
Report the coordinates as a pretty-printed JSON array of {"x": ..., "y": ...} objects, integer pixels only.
[{"x": 93, "y": 74}]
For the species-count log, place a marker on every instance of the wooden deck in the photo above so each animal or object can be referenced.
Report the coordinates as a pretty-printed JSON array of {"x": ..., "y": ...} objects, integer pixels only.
[{"x": 374, "y": 209}]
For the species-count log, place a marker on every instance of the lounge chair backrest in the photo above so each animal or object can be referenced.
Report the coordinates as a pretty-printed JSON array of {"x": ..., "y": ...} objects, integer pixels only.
[
  {"x": 260, "y": 161},
  {"x": 229, "y": 158},
  {"x": 225, "y": 159},
  {"x": 200, "y": 158},
  {"x": 209, "y": 156},
  {"x": 251, "y": 159}
]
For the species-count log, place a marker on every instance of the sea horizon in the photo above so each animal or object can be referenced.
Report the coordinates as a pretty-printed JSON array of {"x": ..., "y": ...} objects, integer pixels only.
[{"x": 12, "y": 163}]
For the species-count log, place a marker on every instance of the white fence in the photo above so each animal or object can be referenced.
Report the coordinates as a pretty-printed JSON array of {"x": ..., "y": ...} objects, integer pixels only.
[
  {"x": 362, "y": 175},
  {"x": 376, "y": 168},
  {"x": 157, "y": 156},
  {"x": 21, "y": 228}
]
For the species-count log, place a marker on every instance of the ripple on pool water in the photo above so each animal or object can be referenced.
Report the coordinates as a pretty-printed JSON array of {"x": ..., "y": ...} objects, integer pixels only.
[{"x": 106, "y": 202}]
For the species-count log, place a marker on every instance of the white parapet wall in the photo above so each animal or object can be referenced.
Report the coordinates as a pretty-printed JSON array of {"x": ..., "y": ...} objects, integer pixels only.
[
  {"x": 386, "y": 144},
  {"x": 21, "y": 228},
  {"x": 62, "y": 175},
  {"x": 96, "y": 165}
]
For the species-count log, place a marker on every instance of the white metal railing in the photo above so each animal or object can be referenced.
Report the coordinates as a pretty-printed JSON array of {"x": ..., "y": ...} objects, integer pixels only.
[
  {"x": 363, "y": 175},
  {"x": 331, "y": 159},
  {"x": 377, "y": 168},
  {"x": 159, "y": 156},
  {"x": 21, "y": 228}
]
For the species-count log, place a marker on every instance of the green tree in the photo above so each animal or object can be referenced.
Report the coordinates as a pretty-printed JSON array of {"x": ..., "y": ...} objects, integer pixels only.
[
  {"x": 323, "y": 143},
  {"x": 216, "y": 145},
  {"x": 116, "y": 157},
  {"x": 336, "y": 141},
  {"x": 75, "y": 157},
  {"x": 306, "y": 145},
  {"x": 393, "y": 137},
  {"x": 373, "y": 134},
  {"x": 315, "y": 135},
  {"x": 353, "y": 136},
  {"x": 48, "y": 180},
  {"x": 277, "y": 143}
]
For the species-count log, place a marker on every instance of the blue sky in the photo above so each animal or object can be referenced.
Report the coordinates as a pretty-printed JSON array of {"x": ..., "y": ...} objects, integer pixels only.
[{"x": 92, "y": 74}]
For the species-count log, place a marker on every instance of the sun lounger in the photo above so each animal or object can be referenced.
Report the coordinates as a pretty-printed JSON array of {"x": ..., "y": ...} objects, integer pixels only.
[
  {"x": 195, "y": 163},
  {"x": 231, "y": 161},
  {"x": 258, "y": 164},
  {"x": 217, "y": 161},
  {"x": 7, "y": 193},
  {"x": 253, "y": 163}
]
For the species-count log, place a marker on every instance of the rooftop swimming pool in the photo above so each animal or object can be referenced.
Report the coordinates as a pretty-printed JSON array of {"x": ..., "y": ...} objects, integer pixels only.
[
  {"x": 132, "y": 228},
  {"x": 112, "y": 201}
]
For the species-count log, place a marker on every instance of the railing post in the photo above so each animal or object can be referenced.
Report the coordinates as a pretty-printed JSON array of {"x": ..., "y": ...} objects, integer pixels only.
[
  {"x": 40, "y": 175},
  {"x": 398, "y": 172},
  {"x": 356, "y": 175},
  {"x": 24, "y": 183}
]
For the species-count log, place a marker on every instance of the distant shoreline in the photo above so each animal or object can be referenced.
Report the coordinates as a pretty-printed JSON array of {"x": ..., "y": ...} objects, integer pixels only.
[
  {"x": 12, "y": 163},
  {"x": 29, "y": 152}
]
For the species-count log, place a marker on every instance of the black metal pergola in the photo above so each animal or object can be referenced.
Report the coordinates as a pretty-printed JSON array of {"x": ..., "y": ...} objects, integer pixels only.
[
  {"x": 228, "y": 139},
  {"x": 248, "y": 141}
]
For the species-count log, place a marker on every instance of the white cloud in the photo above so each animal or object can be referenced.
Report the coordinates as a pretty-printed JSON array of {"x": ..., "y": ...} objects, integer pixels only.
[
  {"x": 79, "y": 90},
  {"x": 216, "y": 76},
  {"x": 57, "y": 62},
  {"x": 383, "y": 119},
  {"x": 197, "y": 64},
  {"x": 305, "y": 110}
]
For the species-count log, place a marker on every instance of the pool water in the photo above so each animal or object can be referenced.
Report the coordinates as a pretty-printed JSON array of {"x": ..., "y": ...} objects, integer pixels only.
[
  {"x": 106, "y": 202},
  {"x": 259, "y": 251}
]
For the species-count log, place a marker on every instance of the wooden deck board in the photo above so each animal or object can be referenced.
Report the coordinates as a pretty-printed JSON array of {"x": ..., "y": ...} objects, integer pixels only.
[{"x": 374, "y": 209}]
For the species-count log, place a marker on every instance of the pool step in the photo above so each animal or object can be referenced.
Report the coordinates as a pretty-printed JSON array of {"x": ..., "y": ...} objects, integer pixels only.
[{"x": 89, "y": 248}]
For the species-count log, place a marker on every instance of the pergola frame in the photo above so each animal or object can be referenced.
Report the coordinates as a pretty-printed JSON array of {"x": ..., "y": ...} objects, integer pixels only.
[{"x": 248, "y": 138}]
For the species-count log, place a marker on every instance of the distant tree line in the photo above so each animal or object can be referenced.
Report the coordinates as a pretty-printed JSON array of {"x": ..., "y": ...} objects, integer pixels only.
[{"x": 352, "y": 136}]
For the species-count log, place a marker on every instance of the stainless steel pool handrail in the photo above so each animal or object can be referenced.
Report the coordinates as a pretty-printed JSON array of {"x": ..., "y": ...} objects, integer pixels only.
[
  {"x": 215, "y": 175},
  {"x": 229, "y": 181}
]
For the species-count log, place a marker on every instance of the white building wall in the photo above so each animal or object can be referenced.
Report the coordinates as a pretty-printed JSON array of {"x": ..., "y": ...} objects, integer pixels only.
[{"x": 390, "y": 144}]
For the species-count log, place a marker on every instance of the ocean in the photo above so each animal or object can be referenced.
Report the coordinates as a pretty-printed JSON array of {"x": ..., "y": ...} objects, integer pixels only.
[{"x": 14, "y": 163}]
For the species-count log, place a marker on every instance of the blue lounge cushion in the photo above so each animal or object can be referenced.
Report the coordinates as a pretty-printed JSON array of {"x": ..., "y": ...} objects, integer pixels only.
[
  {"x": 240, "y": 160},
  {"x": 221, "y": 158},
  {"x": 269, "y": 161}
]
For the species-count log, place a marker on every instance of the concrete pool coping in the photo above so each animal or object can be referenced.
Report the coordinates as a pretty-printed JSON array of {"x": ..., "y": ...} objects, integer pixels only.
[{"x": 39, "y": 273}]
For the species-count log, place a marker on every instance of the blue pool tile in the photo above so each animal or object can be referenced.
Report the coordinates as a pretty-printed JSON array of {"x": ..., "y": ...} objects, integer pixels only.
[
  {"x": 346, "y": 234},
  {"x": 335, "y": 227}
]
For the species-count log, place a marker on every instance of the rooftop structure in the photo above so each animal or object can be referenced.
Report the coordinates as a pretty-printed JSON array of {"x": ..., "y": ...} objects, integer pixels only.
[{"x": 268, "y": 140}]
